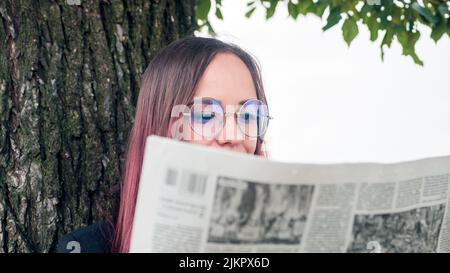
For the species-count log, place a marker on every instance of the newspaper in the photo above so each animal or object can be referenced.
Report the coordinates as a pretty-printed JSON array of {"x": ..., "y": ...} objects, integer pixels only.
[{"x": 198, "y": 199}]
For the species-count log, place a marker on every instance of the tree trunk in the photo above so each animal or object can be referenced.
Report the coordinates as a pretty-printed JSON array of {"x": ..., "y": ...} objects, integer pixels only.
[{"x": 69, "y": 81}]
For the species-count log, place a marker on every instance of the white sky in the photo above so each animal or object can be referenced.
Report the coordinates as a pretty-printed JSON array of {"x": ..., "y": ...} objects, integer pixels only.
[{"x": 332, "y": 103}]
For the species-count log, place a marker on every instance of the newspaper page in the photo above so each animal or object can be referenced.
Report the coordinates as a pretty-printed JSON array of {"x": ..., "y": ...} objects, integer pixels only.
[{"x": 197, "y": 199}]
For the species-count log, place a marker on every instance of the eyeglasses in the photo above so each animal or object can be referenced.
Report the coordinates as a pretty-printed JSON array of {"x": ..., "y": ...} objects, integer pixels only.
[{"x": 207, "y": 117}]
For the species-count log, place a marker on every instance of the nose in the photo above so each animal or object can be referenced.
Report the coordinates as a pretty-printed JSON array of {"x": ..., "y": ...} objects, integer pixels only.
[{"x": 230, "y": 133}]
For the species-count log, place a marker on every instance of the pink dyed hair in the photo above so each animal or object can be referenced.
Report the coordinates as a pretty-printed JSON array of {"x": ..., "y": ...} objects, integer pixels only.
[{"x": 170, "y": 79}]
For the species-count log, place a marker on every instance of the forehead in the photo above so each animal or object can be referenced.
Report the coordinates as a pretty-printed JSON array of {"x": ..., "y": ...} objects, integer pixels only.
[{"x": 227, "y": 79}]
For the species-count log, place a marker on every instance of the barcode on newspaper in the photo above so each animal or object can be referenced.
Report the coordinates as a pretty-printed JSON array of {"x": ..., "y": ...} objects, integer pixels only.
[
  {"x": 193, "y": 184},
  {"x": 188, "y": 183},
  {"x": 171, "y": 177}
]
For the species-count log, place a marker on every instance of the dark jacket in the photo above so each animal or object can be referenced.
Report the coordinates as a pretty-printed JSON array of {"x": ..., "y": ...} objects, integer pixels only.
[{"x": 96, "y": 238}]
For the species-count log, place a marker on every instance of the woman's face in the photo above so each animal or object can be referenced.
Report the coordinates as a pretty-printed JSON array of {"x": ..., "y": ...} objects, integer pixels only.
[{"x": 227, "y": 80}]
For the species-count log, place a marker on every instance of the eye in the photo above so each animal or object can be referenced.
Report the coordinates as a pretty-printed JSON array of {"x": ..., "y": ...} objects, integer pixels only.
[
  {"x": 247, "y": 117},
  {"x": 203, "y": 117}
]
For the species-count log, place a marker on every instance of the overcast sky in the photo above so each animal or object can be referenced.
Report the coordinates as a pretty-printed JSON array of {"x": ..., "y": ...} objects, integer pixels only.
[{"x": 332, "y": 103}]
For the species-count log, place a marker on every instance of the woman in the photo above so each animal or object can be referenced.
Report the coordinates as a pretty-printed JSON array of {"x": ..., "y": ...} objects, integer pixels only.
[{"x": 212, "y": 79}]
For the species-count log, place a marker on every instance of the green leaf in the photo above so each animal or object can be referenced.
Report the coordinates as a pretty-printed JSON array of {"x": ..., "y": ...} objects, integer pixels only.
[
  {"x": 448, "y": 27},
  {"x": 373, "y": 26},
  {"x": 292, "y": 9},
  {"x": 365, "y": 9},
  {"x": 408, "y": 41},
  {"x": 444, "y": 10},
  {"x": 387, "y": 40},
  {"x": 349, "y": 30},
  {"x": 395, "y": 20},
  {"x": 416, "y": 59},
  {"x": 249, "y": 13},
  {"x": 318, "y": 8},
  {"x": 219, "y": 14},
  {"x": 396, "y": 16},
  {"x": 424, "y": 12},
  {"x": 271, "y": 10},
  {"x": 333, "y": 18},
  {"x": 439, "y": 30},
  {"x": 202, "y": 8},
  {"x": 211, "y": 30},
  {"x": 303, "y": 6}
]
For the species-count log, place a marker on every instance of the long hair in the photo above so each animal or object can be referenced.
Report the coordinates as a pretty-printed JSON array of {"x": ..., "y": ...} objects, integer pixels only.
[{"x": 170, "y": 79}]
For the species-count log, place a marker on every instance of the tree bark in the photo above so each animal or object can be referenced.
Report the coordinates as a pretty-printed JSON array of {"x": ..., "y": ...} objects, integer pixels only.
[{"x": 69, "y": 81}]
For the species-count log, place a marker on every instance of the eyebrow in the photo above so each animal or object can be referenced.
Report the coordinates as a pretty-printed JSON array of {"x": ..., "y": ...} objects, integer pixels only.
[
  {"x": 239, "y": 103},
  {"x": 244, "y": 101}
]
